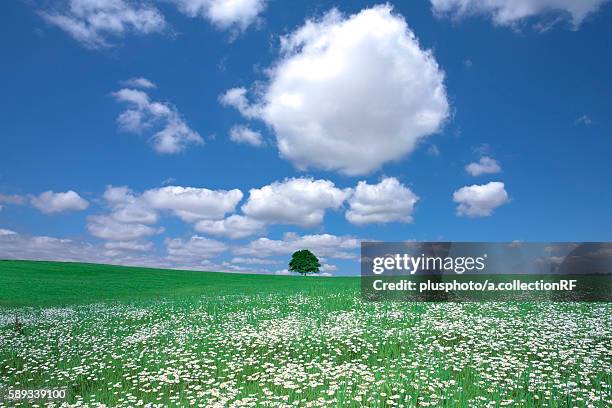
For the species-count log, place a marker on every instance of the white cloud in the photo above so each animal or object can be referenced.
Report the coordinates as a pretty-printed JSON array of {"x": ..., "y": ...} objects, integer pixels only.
[
  {"x": 118, "y": 195},
  {"x": 173, "y": 134},
  {"x": 583, "y": 120},
  {"x": 6, "y": 232},
  {"x": 136, "y": 97},
  {"x": 480, "y": 200},
  {"x": 244, "y": 134},
  {"x": 485, "y": 165},
  {"x": 192, "y": 204},
  {"x": 482, "y": 149},
  {"x": 349, "y": 94},
  {"x": 195, "y": 248},
  {"x": 193, "y": 253},
  {"x": 234, "y": 226},
  {"x": 384, "y": 202},
  {"x": 254, "y": 261},
  {"x": 99, "y": 23},
  {"x": 511, "y": 12},
  {"x": 297, "y": 201},
  {"x": 12, "y": 199},
  {"x": 235, "y": 13},
  {"x": 132, "y": 215},
  {"x": 236, "y": 98},
  {"x": 93, "y": 22},
  {"x": 50, "y": 202},
  {"x": 16, "y": 246},
  {"x": 107, "y": 227},
  {"x": 139, "y": 82},
  {"x": 327, "y": 269},
  {"x": 136, "y": 246},
  {"x": 322, "y": 245},
  {"x": 129, "y": 220},
  {"x": 224, "y": 14},
  {"x": 127, "y": 207},
  {"x": 433, "y": 150}
]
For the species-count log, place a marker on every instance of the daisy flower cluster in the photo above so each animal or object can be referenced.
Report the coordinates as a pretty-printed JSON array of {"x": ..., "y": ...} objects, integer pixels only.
[{"x": 309, "y": 350}]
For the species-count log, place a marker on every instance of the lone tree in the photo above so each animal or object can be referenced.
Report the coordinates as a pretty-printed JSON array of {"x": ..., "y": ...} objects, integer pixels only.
[{"x": 304, "y": 262}]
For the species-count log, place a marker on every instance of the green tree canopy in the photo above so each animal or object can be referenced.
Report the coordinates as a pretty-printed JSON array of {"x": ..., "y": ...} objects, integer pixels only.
[{"x": 304, "y": 262}]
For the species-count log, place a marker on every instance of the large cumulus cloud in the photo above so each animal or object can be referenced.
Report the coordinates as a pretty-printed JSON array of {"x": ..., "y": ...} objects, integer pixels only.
[{"x": 349, "y": 93}]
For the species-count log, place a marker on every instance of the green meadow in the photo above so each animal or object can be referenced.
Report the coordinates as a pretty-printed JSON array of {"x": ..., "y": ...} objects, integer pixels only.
[
  {"x": 132, "y": 337},
  {"x": 36, "y": 283}
]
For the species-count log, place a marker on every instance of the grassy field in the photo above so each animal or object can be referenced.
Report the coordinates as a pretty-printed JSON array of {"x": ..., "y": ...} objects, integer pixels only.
[
  {"x": 29, "y": 283},
  {"x": 130, "y": 337}
]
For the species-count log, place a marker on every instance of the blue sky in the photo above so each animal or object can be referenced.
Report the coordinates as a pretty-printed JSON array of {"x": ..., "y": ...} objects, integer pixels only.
[{"x": 358, "y": 123}]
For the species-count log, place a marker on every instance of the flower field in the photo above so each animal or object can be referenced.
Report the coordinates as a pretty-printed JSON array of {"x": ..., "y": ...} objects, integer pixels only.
[{"x": 309, "y": 344}]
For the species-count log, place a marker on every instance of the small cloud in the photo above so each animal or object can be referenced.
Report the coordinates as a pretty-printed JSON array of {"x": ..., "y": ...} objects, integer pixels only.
[
  {"x": 514, "y": 13},
  {"x": 12, "y": 199},
  {"x": 129, "y": 246},
  {"x": 245, "y": 135},
  {"x": 547, "y": 25},
  {"x": 583, "y": 120},
  {"x": 480, "y": 200},
  {"x": 387, "y": 201},
  {"x": 486, "y": 165},
  {"x": 483, "y": 149},
  {"x": 222, "y": 64},
  {"x": 433, "y": 150},
  {"x": 168, "y": 181},
  {"x": 108, "y": 228},
  {"x": 468, "y": 64},
  {"x": 233, "y": 15},
  {"x": 516, "y": 243},
  {"x": 173, "y": 134},
  {"x": 138, "y": 83},
  {"x": 235, "y": 226},
  {"x": 237, "y": 98},
  {"x": 50, "y": 202},
  {"x": 95, "y": 24},
  {"x": 254, "y": 261},
  {"x": 195, "y": 248},
  {"x": 327, "y": 269},
  {"x": 6, "y": 232}
]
